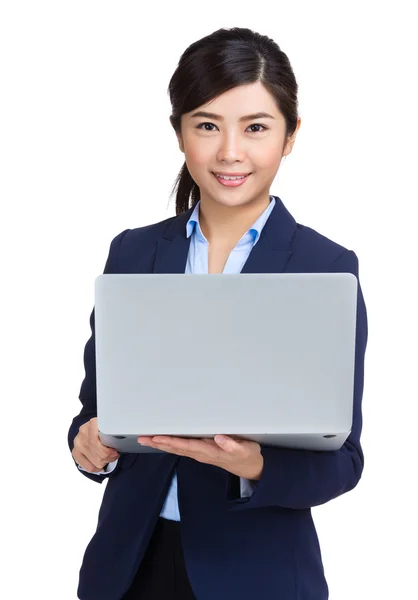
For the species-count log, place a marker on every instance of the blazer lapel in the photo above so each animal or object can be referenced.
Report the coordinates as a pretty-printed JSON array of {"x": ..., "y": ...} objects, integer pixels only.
[{"x": 270, "y": 255}]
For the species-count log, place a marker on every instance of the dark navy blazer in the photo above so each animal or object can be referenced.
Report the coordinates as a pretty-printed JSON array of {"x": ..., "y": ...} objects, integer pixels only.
[{"x": 264, "y": 546}]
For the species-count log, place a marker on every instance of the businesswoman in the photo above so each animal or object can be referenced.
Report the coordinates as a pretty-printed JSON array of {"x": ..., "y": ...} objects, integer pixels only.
[{"x": 219, "y": 519}]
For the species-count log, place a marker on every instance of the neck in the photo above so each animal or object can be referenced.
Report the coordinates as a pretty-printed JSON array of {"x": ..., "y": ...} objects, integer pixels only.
[{"x": 225, "y": 225}]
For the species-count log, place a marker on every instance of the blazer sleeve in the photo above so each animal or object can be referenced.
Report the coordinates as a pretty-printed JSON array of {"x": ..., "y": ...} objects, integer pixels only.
[
  {"x": 87, "y": 394},
  {"x": 301, "y": 479}
]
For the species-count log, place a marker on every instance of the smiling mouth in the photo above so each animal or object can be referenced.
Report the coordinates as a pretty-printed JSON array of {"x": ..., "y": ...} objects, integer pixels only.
[
  {"x": 231, "y": 183},
  {"x": 231, "y": 176}
]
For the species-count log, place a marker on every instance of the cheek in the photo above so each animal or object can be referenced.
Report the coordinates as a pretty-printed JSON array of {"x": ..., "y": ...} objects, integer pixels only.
[
  {"x": 268, "y": 157},
  {"x": 197, "y": 158},
  {"x": 197, "y": 154}
]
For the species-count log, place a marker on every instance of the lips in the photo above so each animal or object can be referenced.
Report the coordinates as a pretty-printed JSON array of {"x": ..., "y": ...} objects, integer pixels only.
[
  {"x": 232, "y": 182},
  {"x": 232, "y": 174}
]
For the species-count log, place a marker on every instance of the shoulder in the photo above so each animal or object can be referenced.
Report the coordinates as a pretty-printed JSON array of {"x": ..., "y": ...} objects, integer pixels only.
[
  {"x": 309, "y": 250},
  {"x": 317, "y": 252},
  {"x": 135, "y": 248},
  {"x": 141, "y": 235}
]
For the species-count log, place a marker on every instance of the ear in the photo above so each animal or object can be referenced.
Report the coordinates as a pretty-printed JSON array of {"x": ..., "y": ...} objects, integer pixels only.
[
  {"x": 291, "y": 139},
  {"x": 180, "y": 141},
  {"x": 181, "y": 145}
]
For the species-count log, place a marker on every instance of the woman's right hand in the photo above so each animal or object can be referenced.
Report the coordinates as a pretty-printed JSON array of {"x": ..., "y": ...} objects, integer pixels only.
[{"x": 88, "y": 451}]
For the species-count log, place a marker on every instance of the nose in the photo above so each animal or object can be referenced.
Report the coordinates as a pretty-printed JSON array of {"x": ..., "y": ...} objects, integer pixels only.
[{"x": 231, "y": 149}]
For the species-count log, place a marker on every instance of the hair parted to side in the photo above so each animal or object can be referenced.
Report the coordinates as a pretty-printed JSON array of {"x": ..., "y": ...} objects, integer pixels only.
[{"x": 217, "y": 63}]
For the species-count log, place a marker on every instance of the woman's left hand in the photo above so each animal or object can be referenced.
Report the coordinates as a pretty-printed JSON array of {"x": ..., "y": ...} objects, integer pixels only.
[{"x": 240, "y": 457}]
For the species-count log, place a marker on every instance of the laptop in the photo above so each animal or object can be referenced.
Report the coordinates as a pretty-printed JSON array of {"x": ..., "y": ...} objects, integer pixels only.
[{"x": 267, "y": 357}]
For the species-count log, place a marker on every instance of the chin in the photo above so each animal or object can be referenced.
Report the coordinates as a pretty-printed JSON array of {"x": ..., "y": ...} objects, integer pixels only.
[{"x": 224, "y": 200}]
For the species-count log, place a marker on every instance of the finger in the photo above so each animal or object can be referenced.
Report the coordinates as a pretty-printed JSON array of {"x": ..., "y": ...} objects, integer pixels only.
[
  {"x": 166, "y": 443},
  {"x": 87, "y": 464},
  {"x": 91, "y": 447},
  {"x": 166, "y": 446},
  {"x": 101, "y": 458},
  {"x": 112, "y": 457},
  {"x": 144, "y": 440},
  {"x": 203, "y": 457},
  {"x": 98, "y": 452},
  {"x": 111, "y": 453},
  {"x": 101, "y": 449},
  {"x": 91, "y": 468},
  {"x": 97, "y": 455},
  {"x": 191, "y": 447},
  {"x": 227, "y": 444}
]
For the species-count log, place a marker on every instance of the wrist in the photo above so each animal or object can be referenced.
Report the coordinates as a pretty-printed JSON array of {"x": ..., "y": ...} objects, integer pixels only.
[{"x": 258, "y": 471}]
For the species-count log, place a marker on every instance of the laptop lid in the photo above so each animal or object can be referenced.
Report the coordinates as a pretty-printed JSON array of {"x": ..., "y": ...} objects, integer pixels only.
[{"x": 261, "y": 356}]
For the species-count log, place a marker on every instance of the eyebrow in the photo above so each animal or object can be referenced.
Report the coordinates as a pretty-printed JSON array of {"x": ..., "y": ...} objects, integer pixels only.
[{"x": 208, "y": 115}]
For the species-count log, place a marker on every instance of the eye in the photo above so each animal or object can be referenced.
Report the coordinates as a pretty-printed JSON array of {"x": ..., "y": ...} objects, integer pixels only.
[{"x": 200, "y": 126}]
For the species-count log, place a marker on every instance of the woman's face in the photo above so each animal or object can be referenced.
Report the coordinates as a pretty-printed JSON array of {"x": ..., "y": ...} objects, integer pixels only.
[{"x": 225, "y": 141}]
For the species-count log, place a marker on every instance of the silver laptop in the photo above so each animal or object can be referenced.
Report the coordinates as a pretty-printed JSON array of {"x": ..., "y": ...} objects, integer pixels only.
[{"x": 267, "y": 357}]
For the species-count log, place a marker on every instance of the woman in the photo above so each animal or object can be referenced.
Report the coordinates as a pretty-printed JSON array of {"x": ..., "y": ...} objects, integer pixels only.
[{"x": 219, "y": 518}]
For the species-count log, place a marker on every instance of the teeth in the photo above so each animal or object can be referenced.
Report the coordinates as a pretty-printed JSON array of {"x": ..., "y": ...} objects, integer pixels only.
[{"x": 231, "y": 178}]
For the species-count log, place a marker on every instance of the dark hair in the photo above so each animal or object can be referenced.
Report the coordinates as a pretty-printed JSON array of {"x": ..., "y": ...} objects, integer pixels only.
[{"x": 217, "y": 63}]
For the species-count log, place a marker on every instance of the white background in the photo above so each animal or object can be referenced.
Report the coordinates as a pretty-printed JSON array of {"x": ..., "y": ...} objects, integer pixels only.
[{"x": 87, "y": 150}]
